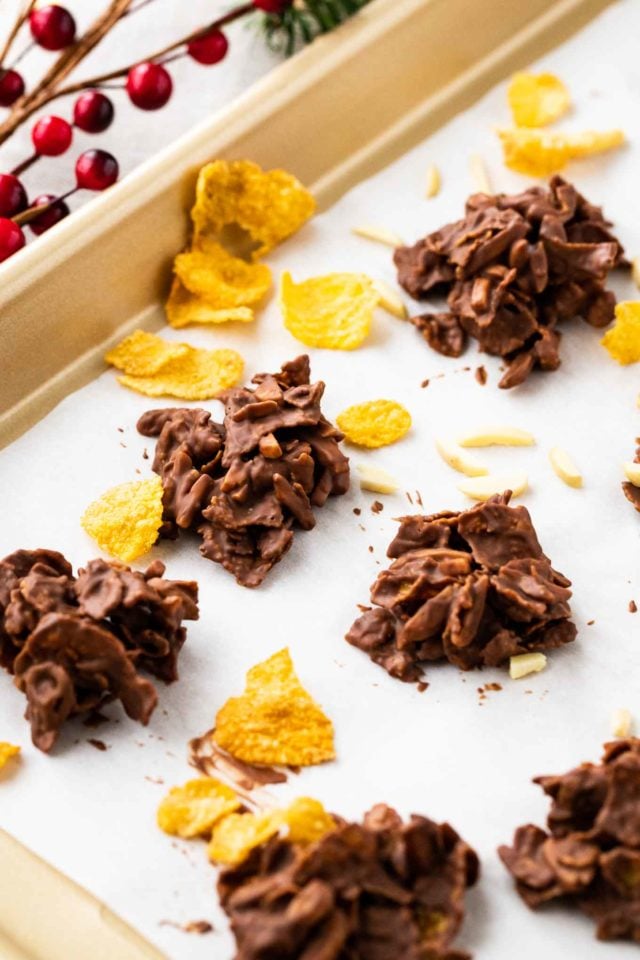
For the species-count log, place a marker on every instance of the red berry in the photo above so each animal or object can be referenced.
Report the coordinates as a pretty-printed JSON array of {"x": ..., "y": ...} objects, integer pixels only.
[
  {"x": 52, "y": 136},
  {"x": 96, "y": 170},
  {"x": 52, "y": 27},
  {"x": 13, "y": 196},
  {"x": 11, "y": 238},
  {"x": 149, "y": 86},
  {"x": 93, "y": 112},
  {"x": 11, "y": 87},
  {"x": 273, "y": 6},
  {"x": 52, "y": 215},
  {"x": 210, "y": 47}
]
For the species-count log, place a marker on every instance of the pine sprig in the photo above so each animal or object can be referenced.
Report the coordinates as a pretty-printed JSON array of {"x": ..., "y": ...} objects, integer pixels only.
[{"x": 305, "y": 20}]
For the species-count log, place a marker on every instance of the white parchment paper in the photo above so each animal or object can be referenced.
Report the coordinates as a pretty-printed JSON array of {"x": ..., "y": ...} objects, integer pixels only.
[{"x": 441, "y": 752}]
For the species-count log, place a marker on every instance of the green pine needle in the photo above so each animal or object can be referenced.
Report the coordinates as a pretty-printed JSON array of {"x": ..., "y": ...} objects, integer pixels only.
[{"x": 304, "y": 21}]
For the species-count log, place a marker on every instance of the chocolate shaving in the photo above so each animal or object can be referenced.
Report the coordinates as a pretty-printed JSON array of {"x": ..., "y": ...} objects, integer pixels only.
[
  {"x": 512, "y": 269},
  {"x": 473, "y": 588},
  {"x": 77, "y": 643},
  {"x": 590, "y": 853},
  {"x": 381, "y": 890},
  {"x": 246, "y": 484}
]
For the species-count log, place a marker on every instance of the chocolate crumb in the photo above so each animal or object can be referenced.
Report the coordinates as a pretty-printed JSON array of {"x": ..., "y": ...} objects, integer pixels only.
[
  {"x": 357, "y": 511},
  {"x": 145, "y": 454},
  {"x": 370, "y": 548},
  {"x": 421, "y": 686},
  {"x": 190, "y": 926},
  {"x": 98, "y": 744},
  {"x": 481, "y": 375},
  {"x": 590, "y": 623},
  {"x": 633, "y": 607},
  {"x": 157, "y": 780},
  {"x": 120, "y": 429},
  {"x": 419, "y": 499},
  {"x": 424, "y": 384},
  {"x": 377, "y": 507},
  {"x": 409, "y": 497}
]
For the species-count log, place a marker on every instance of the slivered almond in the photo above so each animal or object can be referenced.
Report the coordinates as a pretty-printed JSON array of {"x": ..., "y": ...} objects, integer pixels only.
[
  {"x": 526, "y": 663},
  {"x": 498, "y": 437},
  {"x": 635, "y": 271},
  {"x": 479, "y": 174},
  {"x": 433, "y": 182},
  {"x": 621, "y": 723},
  {"x": 632, "y": 473},
  {"x": 375, "y": 479},
  {"x": 379, "y": 235},
  {"x": 390, "y": 300},
  {"x": 452, "y": 454},
  {"x": 564, "y": 467},
  {"x": 482, "y": 488}
]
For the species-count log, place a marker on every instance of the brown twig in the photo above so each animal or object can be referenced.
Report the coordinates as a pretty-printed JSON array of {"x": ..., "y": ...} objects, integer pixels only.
[{"x": 13, "y": 33}]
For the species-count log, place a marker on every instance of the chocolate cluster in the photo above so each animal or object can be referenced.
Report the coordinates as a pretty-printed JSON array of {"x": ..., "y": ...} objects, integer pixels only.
[
  {"x": 590, "y": 853},
  {"x": 75, "y": 644},
  {"x": 380, "y": 890},
  {"x": 245, "y": 484},
  {"x": 513, "y": 269},
  {"x": 631, "y": 492},
  {"x": 473, "y": 588}
]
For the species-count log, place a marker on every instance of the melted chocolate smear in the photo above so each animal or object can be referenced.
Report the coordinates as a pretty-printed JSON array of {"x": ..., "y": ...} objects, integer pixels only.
[{"x": 211, "y": 760}]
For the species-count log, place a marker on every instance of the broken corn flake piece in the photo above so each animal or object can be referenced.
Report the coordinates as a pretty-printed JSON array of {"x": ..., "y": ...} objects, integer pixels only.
[
  {"x": 223, "y": 280},
  {"x": 184, "y": 308},
  {"x": 537, "y": 99},
  {"x": 538, "y": 153},
  {"x": 621, "y": 723},
  {"x": 632, "y": 472},
  {"x": 379, "y": 235},
  {"x": 390, "y": 300},
  {"x": 126, "y": 519},
  {"x": 269, "y": 205},
  {"x": 622, "y": 340},
  {"x": 375, "y": 423},
  {"x": 144, "y": 354},
  {"x": 458, "y": 460},
  {"x": 275, "y": 720},
  {"x": 497, "y": 436},
  {"x": 482, "y": 488},
  {"x": 193, "y": 809},
  {"x": 525, "y": 664},
  {"x": 8, "y": 751},
  {"x": 198, "y": 375},
  {"x": 375, "y": 479},
  {"x": 236, "y": 835},
  {"x": 307, "y": 820},
  {"x": 333, "y": 312},
  {"x": 479, "y": 174},
  {"x": 564, "y": 467},
  {"x": 433, "y": 182}
]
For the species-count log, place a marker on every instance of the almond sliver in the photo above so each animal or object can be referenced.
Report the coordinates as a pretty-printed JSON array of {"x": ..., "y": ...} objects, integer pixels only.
[
  {"x": 390, "y": 300},
  {"x": 379, "y": 235},
  {"x": 621, "y": 723},
  {"x": 482, "y": 488},
  {"x": 498, "y": 437},
  {"x": 433, "y": 182},
  {"x": 456, "y": 458},
  {"x": 632, "y": 473},
  {"x": 479, "y": 175},
  {"x": 635, "y": 271},
  {"x": 526, "y": 663},
  {"x": 564, "y": 467},
  {"x": 375, "y": 479}
]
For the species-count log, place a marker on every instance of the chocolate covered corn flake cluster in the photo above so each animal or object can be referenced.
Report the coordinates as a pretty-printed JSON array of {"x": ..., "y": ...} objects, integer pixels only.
[
  {"x": 75, "y": 643},
  {"x": 590, "y": 853},
  {"x": 632, "y": 490},
  {"x": 513, "y": 269},
  {"x": 473, "y": 588},
  {"x": 245, "y": 484},
  {"x": 380, "y": 890}
]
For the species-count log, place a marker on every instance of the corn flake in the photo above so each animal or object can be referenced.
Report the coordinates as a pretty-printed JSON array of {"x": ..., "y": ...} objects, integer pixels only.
[
  {"x": 193, "y": 809},
  {"x": 144, "y": 354},
  {"x": 307, "y": 820},
  {"x": 537, "y": 99},
  {"x": 537, "y": 153},
  {"x": 126, "y": 519},
  {"x": 275, "y": 720},
  {"x": 334, "y": 312},
  {"x": 198, "y": 375},
  {"x": 375, "y": 423},
  {"x": 7, "y": 752},
  {"x": 235, "y": 836},
  {"x": 184, "y": 308},
  {"x": 622, "y": 341},
  {"x": 268, "y": 205},
  {"x": 223, "y": 280}
]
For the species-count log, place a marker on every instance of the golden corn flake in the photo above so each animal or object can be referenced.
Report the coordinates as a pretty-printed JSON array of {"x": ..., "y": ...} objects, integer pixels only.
[
  {"x": 235, "y": 836},
  {"x": 623, "y": 339},
  {"x": 275, "y": 720},
  {"x": 144, "y": 354},
  {"x": 126, "y": 519},
  {"x": 537, "y": 153},
  {"x": 221, "y": 279},
  {"x": 334, "y": 312},
  {"x": 537, "y": 99},
  {"x": 7, "y": 752},
  {"x": 193, "y": 809},
  {"x": 375, "y": 423},
  {"x": 268, "y": 205},
  {"x": 307, "y": 820},
  {"x": 184, "y": 308},
  {"x": 198, "y": 375}
]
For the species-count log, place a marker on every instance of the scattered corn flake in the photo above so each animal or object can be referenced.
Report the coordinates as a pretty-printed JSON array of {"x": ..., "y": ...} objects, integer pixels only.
[
  {"x": 333, "y": 312},
  {"x": 184, "y": 308},
  {"x": 497, "y": 436},
  {"x": 375, "y": 423},
  {"x": 198, "y": 375},
  {"x": 632, "y": 472},
  {"x": 375, "y": 479},
  {"x": 390, "y": 300},
  {"x": 537, "y": 99},
  {"x": 457, "y": 459},
  {"x": 126, "y": 519},
  {"x": 622, "y": 341},
  {"x": 144, "y": 354},
  {"x": 479, "y": 175},
  {"x": 268, "y": 205},
  {"x": 379, "y": 235},
  {"x": 275, "y": 720},
  {"x": 635, "y": 271},
  {"x": 307, "y": 820},
  {"x": 537, "y": 153},
  {"x": 7, "y": 752},
  {"x": 621, "y": 723},
  {"x": 482, "y": 488},
  {"x": 564, "y": 467},
  {"x": 433, "y": 182},
  {"x": 193, "y": 809},
  {"x": 224, "y": 281},
  {"x": 525, "y": 664},
  {"x": 235, "y": 836}
]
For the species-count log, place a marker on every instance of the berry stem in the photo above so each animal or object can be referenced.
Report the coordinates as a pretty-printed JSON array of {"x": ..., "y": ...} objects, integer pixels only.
[
  {"x": 29, "y": 162},
  {"x": 22, "y": 17},
  {"x": 32, "y": 212}
]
